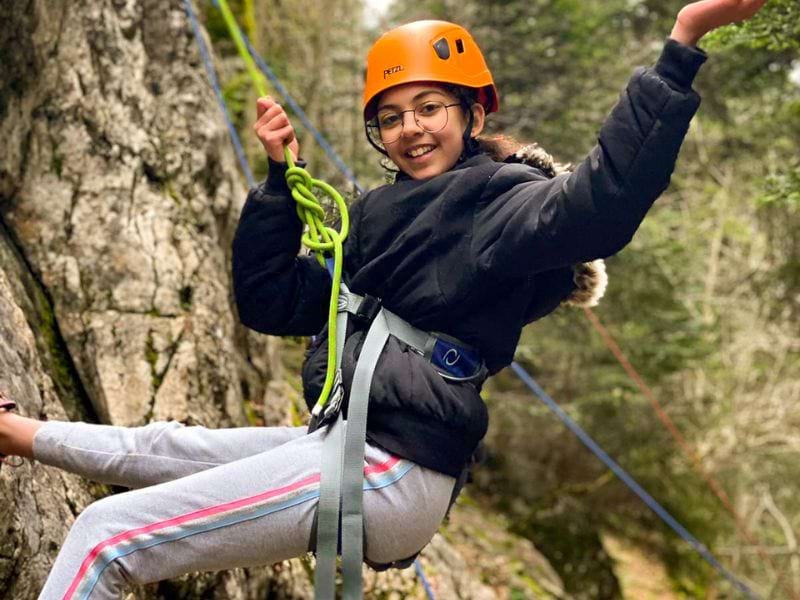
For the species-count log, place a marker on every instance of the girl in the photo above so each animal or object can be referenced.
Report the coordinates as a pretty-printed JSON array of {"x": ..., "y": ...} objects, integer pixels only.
[{"x": 459, "y": 244}]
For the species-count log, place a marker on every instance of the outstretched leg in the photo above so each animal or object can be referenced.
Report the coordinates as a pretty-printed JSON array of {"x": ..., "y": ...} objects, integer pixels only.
[
  {"x": 257, "y": 510},
  {"x": 133, "y": 456},
  {"x": 136, "y": 457}
]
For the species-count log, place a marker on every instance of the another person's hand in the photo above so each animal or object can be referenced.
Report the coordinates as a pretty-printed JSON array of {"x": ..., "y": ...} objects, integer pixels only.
[
  {"x": 274, "y": 129},
  {"x": 698, "y": 18}
]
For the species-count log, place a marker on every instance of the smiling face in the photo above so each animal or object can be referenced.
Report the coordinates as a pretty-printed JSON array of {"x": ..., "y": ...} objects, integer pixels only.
[{"x": 419, "y": 153}]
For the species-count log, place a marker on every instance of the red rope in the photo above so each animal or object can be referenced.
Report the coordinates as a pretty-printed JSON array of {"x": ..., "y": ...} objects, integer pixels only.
[{"x": 670, "y": 426}]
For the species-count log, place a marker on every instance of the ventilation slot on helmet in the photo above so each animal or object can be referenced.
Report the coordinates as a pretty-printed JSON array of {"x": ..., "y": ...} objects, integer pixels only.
[
  {"x": 460, "y": 46},
  {"x": 442, "y": 48}
]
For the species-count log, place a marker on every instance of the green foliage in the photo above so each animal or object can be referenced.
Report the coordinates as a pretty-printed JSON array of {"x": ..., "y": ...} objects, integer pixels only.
[
  {"x": 776, "y": 27},
  {"x": 783, "y": 188}
]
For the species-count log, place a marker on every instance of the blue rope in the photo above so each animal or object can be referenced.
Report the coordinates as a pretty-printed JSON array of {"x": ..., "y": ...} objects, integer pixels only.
[
  {"x": 212, "y": 77},
  {"x": 527, "y": 379},
  {"x": 629, "y": 481},
  {"x": 270, "y": 74},
  {"x": 421, "y": 575}
]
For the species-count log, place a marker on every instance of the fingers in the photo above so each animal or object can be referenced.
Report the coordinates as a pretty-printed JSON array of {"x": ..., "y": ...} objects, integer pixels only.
[
  {"x": 273, "y": 118},
  {"x": 275, "y": 138},
  {"x": 273, "y": 128},
  {"x": 262, "y": 104},
  {"x": 267, "y": 110}
]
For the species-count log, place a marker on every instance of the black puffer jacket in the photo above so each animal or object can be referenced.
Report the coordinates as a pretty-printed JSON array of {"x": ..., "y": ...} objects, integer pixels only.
[{"x": 475, "y": 253}]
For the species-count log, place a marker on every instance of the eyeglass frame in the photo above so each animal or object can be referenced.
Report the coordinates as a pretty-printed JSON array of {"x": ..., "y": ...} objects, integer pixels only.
[{"x": 376, "y": 123}]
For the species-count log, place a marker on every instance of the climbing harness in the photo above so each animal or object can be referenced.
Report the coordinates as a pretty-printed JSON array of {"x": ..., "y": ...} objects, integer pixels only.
[{"x": 343, "y": 452}]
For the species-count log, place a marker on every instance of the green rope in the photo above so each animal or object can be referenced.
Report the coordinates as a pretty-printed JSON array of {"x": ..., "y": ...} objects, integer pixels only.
[
  {"x": 318, "y": 237},
  {"x": 321, "y": 239}
]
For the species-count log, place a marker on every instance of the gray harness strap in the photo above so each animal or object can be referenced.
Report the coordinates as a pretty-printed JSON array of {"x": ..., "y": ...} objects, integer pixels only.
[
  {"x": 353, "y": 474},
  {"x": 343, "y": 450},
  {"x": 330, "y": 490},
  {"x": 343, "y": 470}
]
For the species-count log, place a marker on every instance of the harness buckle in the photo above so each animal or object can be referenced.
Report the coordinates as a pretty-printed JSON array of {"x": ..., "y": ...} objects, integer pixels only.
[
  {"x": 334, "y": 405},
  {"x": 332, "y": 408},
  {"x": 368, "y": 309}
]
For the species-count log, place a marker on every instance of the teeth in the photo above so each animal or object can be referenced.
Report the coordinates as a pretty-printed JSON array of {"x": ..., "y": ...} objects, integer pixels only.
[{"x": 420, "y": 151}]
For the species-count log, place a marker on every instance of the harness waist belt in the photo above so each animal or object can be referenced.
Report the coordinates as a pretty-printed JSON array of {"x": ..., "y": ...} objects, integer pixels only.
[{"x": 452, "y": 358}]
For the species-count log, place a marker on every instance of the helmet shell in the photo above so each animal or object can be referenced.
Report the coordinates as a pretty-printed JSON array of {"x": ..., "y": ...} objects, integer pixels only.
[{"x": 427, "y": 51}]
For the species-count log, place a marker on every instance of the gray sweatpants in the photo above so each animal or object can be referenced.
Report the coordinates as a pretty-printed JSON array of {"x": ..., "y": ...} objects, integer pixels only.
[{"x": 211, "y": 499}]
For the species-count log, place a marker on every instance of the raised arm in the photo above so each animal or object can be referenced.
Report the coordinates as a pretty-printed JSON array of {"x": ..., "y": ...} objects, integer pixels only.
[
  {"x": 529, "y": 224},
  {"x": 276, "y": 290}
]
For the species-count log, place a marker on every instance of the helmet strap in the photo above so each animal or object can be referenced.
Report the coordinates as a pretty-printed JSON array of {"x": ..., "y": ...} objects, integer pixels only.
[{"x": 471, "y": 146}]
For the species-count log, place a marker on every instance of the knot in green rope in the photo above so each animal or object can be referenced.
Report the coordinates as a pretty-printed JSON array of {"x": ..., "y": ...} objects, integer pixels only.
[{"x": 321, "y": 239}]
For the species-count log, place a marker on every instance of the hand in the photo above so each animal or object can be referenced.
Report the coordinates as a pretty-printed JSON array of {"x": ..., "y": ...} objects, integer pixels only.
[
  {"x": 274, "y": 129},
  {"x": 698, "y": 18}
]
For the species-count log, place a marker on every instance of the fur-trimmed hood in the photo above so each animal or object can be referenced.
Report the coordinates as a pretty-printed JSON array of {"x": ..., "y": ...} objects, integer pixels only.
[{"x": 590, "y": 278}]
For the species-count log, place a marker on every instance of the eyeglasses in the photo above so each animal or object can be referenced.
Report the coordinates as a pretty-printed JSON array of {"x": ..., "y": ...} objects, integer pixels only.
[{"x": 430, "y": 116}]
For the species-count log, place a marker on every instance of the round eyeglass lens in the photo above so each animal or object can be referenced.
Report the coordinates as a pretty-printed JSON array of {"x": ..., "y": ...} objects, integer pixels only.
[{"x": 429, "y": 116}]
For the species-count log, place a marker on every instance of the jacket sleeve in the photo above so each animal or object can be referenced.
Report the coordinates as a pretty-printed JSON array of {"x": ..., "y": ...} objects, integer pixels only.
[
  {"x": 527, "y": 223},
  {"x": 276, "y": 291}
]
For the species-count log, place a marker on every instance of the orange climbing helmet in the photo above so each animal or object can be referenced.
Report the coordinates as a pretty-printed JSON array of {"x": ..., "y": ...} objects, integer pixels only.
[{"x": 427, "y": 51}]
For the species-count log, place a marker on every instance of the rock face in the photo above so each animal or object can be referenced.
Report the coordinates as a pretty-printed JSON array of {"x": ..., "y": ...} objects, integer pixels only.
[
  {"x": 119, "y": 195},
  {"x": 120, "y": 191},
  {"x": 36, "y": 504}
]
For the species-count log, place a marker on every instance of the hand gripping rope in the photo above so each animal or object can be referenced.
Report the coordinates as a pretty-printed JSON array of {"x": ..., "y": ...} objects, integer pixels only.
[{"x": 319, "y": 238}]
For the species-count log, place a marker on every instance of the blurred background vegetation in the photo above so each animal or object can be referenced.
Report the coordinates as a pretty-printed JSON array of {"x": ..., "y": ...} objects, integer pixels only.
[{"x": 704, "y": 302}]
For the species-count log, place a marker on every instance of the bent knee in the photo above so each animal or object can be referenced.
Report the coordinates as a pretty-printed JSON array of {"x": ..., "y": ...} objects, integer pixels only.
[
  {"x": 160, "y": 433},
  {"x": 99, "y": 515},
  {"x": 400, "y": 522}
]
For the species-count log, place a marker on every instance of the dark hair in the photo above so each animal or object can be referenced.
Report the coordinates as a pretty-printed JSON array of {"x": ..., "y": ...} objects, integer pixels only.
[
  {"x": 466, "y": 96},
  {"x": 498, "y": 147}
]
